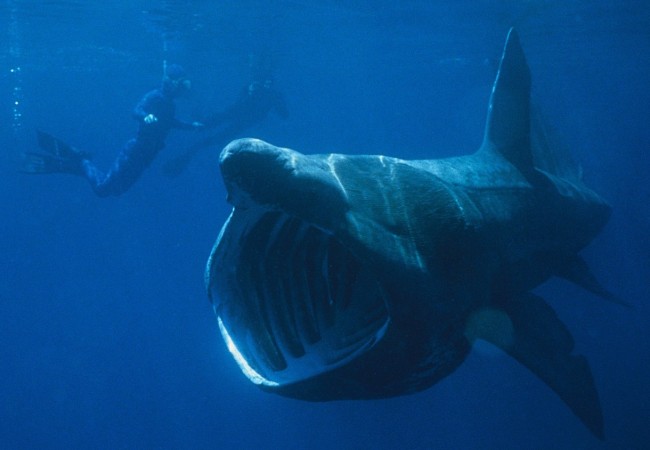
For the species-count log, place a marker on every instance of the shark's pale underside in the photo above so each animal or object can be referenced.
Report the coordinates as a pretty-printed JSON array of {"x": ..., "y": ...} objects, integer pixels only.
[{"x": 356, "y": 277}]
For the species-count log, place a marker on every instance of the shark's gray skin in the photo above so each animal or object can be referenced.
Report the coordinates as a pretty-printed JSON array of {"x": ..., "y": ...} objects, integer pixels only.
[{"x": 357, "y": 277}]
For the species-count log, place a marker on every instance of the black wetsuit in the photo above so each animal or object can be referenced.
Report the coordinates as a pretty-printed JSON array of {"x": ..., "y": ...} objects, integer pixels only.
[
  {"x": 138, "y": 153},
  {"x": 251, "y": 107},
  {"x": 253, "y": 104}
]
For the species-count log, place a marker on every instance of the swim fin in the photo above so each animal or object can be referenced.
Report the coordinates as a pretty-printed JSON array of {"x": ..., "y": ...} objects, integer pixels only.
[
  {"x": 40, "y": 163},
  {"x": 60, "y": 157},
  {"x": 57, "y": 147}
]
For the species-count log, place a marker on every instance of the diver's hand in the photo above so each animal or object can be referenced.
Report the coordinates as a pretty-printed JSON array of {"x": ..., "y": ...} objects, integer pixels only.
[
  {"x": 150, "y": 118},
  {"x": 198, "y": 126}
]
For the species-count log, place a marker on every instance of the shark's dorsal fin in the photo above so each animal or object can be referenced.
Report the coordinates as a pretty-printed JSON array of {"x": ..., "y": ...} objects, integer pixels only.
[{"x": 508, "y": 120}]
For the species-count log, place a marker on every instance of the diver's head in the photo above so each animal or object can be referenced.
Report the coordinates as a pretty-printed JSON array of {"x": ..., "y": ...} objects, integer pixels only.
[{"x": 175, "y": 81}]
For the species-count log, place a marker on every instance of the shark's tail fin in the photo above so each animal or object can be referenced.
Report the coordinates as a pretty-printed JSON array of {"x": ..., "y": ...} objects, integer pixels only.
[{"x": 508, "y": 120}]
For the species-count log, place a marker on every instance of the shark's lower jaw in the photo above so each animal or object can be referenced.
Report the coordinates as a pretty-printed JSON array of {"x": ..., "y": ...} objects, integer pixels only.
[{"x": 292, "y": 301}]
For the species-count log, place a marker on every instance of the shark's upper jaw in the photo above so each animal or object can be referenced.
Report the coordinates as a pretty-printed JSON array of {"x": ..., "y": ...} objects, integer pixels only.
[
  {"x": 292, "y": 301},
  {"x": 256, "y": 173},
  {"x": 253, "y": 171}
]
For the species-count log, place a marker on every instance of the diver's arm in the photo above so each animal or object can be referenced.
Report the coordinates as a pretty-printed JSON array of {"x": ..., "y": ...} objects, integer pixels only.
[
  {"x": 191, "y": 126},
  {"x": 141, "y": 111}
]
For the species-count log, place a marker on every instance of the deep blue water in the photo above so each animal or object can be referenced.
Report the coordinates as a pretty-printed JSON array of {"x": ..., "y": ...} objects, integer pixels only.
[{"x": 107, "y": 339}]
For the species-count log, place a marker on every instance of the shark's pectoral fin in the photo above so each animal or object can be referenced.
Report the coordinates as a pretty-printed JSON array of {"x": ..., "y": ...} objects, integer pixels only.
[
  {"x": 529, "y": 330},
  {"x": 577, "y": 271}
]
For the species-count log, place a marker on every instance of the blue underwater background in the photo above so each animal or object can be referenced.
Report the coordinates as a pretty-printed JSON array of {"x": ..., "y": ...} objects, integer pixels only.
[{"x": 107, "y": 339}]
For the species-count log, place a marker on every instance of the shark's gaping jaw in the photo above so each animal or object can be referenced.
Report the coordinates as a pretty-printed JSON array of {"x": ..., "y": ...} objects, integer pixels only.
[{"x": 293, "y": 302}]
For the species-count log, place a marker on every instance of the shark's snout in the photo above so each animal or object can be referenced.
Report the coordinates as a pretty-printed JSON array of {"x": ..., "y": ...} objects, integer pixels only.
[
  {"x": 259, "y": 174},
  {"x": 255, "y": 171}
]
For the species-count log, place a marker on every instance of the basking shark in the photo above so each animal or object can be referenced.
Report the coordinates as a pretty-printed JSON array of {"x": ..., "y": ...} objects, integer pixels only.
[{"x": 358, "y": 277}]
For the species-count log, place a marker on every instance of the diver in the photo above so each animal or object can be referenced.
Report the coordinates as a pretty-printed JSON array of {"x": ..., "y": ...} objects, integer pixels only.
[
  {"x": 256, "y": 100},
  {"x": 155, "y": 114}
]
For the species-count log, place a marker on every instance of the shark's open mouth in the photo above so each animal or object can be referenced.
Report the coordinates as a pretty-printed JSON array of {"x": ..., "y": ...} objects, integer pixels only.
[{"x": 292, "y": 301}]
